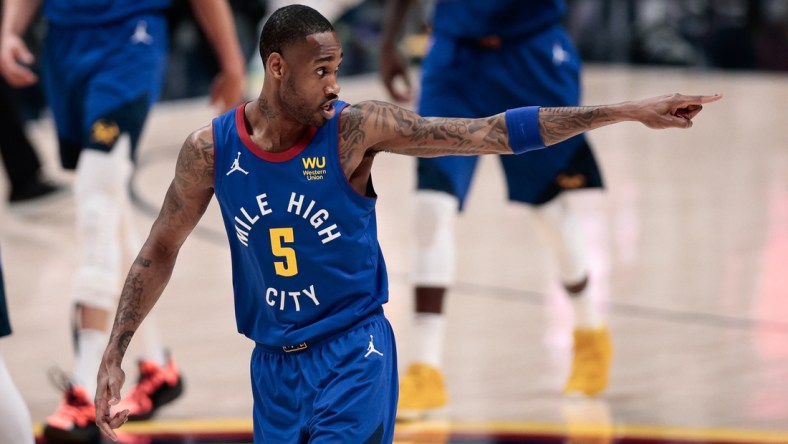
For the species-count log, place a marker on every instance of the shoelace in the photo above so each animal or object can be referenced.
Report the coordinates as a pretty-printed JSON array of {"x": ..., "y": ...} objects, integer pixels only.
[
  {"x": 65, "y": 383},
  {"x": 73, "y": 408},
  {"x": 60, "y": 379}
]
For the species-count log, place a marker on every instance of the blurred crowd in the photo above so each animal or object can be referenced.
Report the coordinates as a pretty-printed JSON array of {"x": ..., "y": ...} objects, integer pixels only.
[
  {"x": 724, "y": 34},
  {"x": 713, "y": 34}
]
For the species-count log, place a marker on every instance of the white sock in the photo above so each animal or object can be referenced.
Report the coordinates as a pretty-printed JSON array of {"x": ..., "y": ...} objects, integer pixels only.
[
  {"x": 585, "y": 313},
  {"x": 16, "y": 427},
  {"x": 91, "y": 345},
  {"x": 428, "y": 331}
]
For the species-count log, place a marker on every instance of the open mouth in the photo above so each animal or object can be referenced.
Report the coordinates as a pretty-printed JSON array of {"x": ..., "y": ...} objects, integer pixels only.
[{"x": 328, "y": 109}]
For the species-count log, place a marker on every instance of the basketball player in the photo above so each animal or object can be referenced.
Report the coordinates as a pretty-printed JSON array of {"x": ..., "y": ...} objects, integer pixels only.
[
  {"x": 103, "y": 67},
  {"x": 298, "y": 205},
  {"x": 527, "y": 59},
  {"x": 15, "y": 424}
]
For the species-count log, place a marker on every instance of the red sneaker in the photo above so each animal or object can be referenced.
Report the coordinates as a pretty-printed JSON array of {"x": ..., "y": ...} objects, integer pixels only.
[
  {"x": 156, "y": 387},
  {"x": 74, "y": 421}
]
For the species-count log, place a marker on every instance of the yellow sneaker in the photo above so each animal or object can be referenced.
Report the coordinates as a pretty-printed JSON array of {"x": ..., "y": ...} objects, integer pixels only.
[
  {"x": 593, "y": 353},
  {"x": 421, "y": 390}
]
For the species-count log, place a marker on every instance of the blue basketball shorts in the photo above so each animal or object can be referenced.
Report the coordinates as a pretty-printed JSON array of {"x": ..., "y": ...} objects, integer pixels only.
[
  {"x": 102, "y": 81},
  {"x": 342, "y": 389},
  {"x": 462, "y": 79}
]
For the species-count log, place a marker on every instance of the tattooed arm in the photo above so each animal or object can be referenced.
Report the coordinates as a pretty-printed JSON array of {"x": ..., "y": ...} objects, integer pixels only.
[
  {"x": 370, "y": 127},
  {"x": 184, "y": 204},
  {"x": 381, "y": 126},
  {"x": 668, "y": 111}
]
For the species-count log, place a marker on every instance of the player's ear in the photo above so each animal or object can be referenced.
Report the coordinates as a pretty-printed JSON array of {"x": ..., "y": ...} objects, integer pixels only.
[{"x": 275, "y": 65}]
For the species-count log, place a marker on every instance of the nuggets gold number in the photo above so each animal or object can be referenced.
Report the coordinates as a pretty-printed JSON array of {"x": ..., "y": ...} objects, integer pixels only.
[{"x": 288, "y": 267}]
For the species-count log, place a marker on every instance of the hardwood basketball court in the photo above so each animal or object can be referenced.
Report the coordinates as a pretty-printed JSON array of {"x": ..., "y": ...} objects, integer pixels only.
[{"x": 688, "y": 247}]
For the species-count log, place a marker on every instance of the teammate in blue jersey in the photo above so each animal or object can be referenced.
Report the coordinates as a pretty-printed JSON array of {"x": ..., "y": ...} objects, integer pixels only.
[
  {"x": 527, "y": 59},
  {"x": 103, "y": 68},
  {"x": 16, "y": 426},
  {"x": 291, "y": 172}
]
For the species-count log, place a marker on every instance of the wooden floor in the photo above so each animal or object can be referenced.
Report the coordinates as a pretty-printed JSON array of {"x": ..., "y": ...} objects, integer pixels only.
[{"x": 689, "y": 258}]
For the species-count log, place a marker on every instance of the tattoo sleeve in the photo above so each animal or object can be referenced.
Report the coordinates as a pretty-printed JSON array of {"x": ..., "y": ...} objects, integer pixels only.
[
  {"x": 560, "y": 123},
  {"x": 381, "y": 126}
]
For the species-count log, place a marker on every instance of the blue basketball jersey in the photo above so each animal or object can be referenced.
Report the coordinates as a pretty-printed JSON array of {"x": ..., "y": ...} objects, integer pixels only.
[
  {"x": 99, "y": 12},
  {"x": 505, "y": 18},
  {"x": 305, "y": 256}
]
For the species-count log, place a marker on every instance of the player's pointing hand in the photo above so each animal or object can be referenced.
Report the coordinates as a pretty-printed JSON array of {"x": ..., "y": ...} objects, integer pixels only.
[{"x": 670, "y": 111}]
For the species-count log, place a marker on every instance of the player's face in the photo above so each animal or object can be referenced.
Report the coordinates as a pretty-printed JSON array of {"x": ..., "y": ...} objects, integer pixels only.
[{"x": 310, "y": 86}]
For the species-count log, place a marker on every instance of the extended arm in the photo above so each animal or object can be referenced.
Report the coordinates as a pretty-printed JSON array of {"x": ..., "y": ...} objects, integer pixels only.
[
  {"x": 668, "y": 111},
  {"x": 14, "y": 54},
  {"x": 370, "y": 127},
  {"x": 184, "y": 204},
  {"x": 216, "y": 20}
]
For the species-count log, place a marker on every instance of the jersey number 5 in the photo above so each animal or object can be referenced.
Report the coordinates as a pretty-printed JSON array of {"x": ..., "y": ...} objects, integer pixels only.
[{"x": 288, "y": 267}]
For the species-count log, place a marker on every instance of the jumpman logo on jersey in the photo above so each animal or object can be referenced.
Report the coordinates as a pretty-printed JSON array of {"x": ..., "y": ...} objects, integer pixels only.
[
  {"x": 559, "y": 54},
  {"x": 141, "y": 34},
  {"x": 371, "y": 348},
  {"x": 237, "y": 165}
]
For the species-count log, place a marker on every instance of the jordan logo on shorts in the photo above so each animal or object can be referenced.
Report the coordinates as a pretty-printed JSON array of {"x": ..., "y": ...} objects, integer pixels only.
[
  {"x": 141, "y": 34},
  {"x": 559, "y": 54},
  {"x": 371, "y": 348},
  {"x": 236, "y": 165}
]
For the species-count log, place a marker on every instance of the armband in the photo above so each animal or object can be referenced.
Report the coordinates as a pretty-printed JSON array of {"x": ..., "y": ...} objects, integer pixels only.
[{"x": 522, "y": 125}]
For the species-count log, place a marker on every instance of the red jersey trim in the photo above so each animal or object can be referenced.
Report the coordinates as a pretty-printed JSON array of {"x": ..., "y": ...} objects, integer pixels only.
[{"x": 290, "y": 153}]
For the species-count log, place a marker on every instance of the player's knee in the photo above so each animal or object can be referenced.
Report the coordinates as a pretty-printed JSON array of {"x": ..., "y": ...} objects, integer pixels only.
[
  {"x": 99, "y": 192},
  {"x": 435, "y": 217},
  {"x": 100, "y": 188},
  {"x": 106, "y": 171},
  {"x": 98, "y": 272}
]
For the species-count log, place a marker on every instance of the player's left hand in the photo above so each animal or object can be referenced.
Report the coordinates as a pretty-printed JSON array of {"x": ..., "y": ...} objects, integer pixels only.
[
  {"x": 669, "y": 111},
  {"x": 110, "y": 381},
  {"x": 16, "y": 60},
  {"x": 228, "y": 89},
  {"x": 393, "y": 70}
]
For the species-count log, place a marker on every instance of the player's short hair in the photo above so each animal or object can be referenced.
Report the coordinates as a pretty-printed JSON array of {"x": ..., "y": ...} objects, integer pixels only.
[{"x": 288, "y": 25}]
